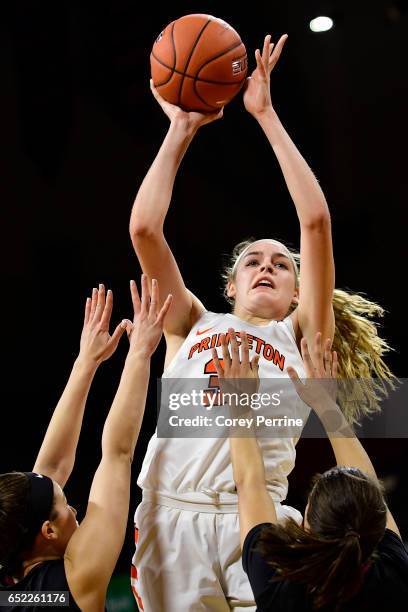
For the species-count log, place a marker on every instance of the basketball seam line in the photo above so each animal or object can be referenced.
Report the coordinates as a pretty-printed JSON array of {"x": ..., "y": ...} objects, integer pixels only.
[
  {"x": 190, "y": 56},
  {"x": 189, "y": 76},
  {"x": 174, "y": 61},
  {"x": 240, "y": 83},
  {"x": 174, "y": 45},
  {"x": 220, "y": 55}
]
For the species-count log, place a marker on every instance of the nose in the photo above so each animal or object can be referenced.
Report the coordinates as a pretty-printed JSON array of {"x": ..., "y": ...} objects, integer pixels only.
[{"x": 266, "y": 266}]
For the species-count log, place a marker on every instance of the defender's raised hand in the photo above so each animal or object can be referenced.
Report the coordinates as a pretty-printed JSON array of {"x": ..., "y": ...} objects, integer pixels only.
[
  {"x": 147, "y": 327},
  {"x": 321, "y": 371},
  {"x": 96, "y": 343},
  {"x": 236, "y": 372},
  {"x": 257, "y": 94}
]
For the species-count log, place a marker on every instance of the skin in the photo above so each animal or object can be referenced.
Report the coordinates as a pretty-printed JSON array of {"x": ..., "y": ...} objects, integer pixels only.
[
  {"x": 314, "y": 298},
  {"x": 240, "y": 374},
  {"x": 259, "y": 304},
  {"x": 90, "y": 550},
  {"x": 52, "y": 540}
]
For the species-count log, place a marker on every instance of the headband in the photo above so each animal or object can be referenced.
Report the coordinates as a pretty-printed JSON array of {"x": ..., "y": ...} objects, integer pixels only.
[
  {"x": 39, "y": 501},
  {"x": 241, "y": 255},
  {"x": 40, "y": 498}
]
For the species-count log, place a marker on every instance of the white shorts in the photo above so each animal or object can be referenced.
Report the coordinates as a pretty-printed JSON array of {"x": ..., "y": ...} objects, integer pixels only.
[{"x": 188, "y": 556}]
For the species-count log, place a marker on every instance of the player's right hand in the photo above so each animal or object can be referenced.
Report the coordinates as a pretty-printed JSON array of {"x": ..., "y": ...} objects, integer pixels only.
[
  {"x": 320, "y": 386},
  {"x": 190, "y": 121}
]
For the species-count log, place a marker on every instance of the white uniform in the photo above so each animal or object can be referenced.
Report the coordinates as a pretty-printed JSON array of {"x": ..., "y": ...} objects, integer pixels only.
[{"x": 187, "y": 554}]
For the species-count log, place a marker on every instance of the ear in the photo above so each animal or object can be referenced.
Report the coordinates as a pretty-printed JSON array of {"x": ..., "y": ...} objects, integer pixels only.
[
  {"x": 231, "y": 291},
  {"x": 295, "y": 297},
  {"x": 48, "y": 531}
]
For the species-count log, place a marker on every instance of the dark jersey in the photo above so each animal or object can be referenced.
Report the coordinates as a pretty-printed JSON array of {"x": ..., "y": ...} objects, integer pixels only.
[
  {"x": 385, "y": 585},
  {"x": 48, "y": 576}
]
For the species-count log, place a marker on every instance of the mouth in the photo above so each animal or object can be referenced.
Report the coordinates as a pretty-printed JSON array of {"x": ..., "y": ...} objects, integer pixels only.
[{"x": 265, "y": 283}]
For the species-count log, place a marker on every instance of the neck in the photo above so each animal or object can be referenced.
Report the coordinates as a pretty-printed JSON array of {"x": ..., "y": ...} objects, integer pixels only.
[
  {"x": 28, "y": 564},
  {"x": 249, "y": 317}
]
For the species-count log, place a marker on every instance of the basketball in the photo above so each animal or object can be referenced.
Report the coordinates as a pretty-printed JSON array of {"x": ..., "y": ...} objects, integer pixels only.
[{"x": 199, "y": 63}]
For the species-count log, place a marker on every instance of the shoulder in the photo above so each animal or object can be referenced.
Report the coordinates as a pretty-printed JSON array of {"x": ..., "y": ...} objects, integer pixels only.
[
  {"x": 251, "y": 541},
  {"x": 277, "y": 595},
  {"x": 47, "y": 576},
  {"x": 392, "y": 547}
]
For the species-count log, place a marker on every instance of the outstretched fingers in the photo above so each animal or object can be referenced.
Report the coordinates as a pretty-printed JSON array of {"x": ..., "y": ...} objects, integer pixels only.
[
  {"x": 225, "y": 352},
  {"x": 244, "y": 349},
  {"x": 294, "y": 376},
  {"x": 327, "y": 358},
  {"x": 164, "y": 310},
  {"x": 135, "y": 297},
  {"x": 277, "y": 50},
  {"x": 107, "y": 311},
  {"x": 94, "y": 301},
  {"x": 100, "y": 303},
  {"x": 266, "y": 49},
  {"x": 334, "y": 367},
  {"x": 234, "y": 346},
  {"x": 259, "y": 64},
  {"x": 87, "y": 310},
  {"x": 319, "y": 356},
  {"x": 117, "y": 334},
  {"x": 255, "y": 365},
  {"x": 307, "y": 360},
  {"x": 144, "y": 309},
  {"x": 154, "y": 300},
  {"x": 217, "y": 363}
]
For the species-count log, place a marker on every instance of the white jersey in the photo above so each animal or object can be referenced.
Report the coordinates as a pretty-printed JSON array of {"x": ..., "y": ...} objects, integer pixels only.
[{"x": 183, "y": 467}]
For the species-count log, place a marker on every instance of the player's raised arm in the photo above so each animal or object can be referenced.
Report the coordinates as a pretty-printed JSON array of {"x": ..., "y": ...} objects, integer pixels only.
[
  {"x": 57, "y": 453},
  {"x": 314, "y": 312},
  {"x": 237, "y": 374},
  {"x": 150, "y": 210},
  {"x": 93, "y": 550},
  {"x": 321, "y": 371}
]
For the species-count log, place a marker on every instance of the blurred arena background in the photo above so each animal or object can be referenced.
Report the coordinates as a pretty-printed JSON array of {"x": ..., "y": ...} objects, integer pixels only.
[{"x": 79, "y": 129}]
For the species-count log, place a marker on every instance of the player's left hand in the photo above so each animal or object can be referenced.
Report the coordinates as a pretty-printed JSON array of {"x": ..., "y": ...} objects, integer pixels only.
[
  {"x": 97, "y": 344},
  {"x": 257, "y": 93}
]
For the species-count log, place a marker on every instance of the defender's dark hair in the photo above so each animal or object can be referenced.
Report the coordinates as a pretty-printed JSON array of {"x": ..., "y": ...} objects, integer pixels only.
[
  {"x": 14, "y": 491},
  {"x": 346, "y": 517}
]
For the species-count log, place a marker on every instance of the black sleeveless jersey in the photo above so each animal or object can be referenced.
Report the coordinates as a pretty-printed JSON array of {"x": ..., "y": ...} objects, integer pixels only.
[{"x": 47, "y": 576}]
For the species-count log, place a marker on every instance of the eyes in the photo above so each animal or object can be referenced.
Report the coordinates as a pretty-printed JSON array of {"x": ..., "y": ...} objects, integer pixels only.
[{"x": 277, "y": 264}]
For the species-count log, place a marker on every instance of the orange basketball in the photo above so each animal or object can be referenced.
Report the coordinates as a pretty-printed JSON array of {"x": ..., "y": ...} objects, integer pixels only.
[{"x": 199, "y": 63}]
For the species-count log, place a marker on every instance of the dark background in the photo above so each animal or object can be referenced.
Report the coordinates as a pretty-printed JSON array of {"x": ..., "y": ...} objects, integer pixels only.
[{"x": 79, "y": 129}]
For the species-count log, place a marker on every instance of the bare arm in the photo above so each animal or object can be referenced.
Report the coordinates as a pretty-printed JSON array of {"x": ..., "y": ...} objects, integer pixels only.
[
  {"x": 150, "y": 209},
  {"x": 57, "y": 453},
  {"x": 239, "y": 375},
  {"x": 347, "y": 448},
  {"x": 314, "y": 312},
  {"x": 93, "y": 550}
]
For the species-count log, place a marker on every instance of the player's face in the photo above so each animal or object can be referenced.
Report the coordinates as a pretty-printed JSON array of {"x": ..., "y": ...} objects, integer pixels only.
[
  {"x": 265, "y": 283},
  {"x": 65, "y": 522}
]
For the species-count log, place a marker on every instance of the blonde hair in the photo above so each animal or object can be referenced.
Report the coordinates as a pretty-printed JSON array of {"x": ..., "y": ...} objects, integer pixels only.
[{"x": 359, "y": 348}]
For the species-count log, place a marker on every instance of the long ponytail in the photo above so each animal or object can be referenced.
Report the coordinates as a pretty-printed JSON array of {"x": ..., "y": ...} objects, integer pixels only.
[{"x": 359, "y": 346}]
